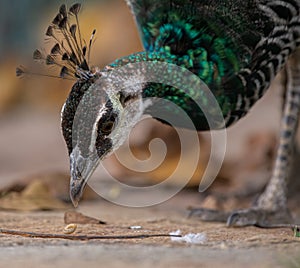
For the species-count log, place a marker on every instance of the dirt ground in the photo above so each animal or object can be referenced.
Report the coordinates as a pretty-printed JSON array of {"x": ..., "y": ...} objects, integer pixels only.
[{"x": 223, "y": 247}]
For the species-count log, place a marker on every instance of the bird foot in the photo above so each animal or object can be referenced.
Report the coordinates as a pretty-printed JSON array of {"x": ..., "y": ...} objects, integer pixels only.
[
  {"x": 254, "y": 216},
  {"x": 212, "y": 215}
]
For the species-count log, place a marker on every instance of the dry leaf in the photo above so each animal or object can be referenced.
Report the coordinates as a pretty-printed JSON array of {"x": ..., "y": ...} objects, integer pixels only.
[
  {"x": 57, "y": 185},
  {"x": 76, "y": 217},
  {"x": 36, "y": 196}
]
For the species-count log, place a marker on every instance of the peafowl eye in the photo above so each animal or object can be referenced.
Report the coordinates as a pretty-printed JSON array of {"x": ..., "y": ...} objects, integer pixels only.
[{"x": 235, "y": 47}]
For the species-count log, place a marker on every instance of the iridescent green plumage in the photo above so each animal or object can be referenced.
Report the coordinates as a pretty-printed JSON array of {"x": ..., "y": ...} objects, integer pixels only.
[{"x": 217, "y": 41}]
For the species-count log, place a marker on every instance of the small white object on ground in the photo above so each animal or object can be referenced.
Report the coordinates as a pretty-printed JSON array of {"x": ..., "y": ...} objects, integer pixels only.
[
  {"x": 70, "y": 229},
  {"x": 198, "y": 238},
  {"x": 137, "y": 227}
]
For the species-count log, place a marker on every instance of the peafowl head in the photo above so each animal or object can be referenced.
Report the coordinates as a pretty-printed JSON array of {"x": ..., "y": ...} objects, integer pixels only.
[
  {"x": 98, "y": 114},
  {"x": 96, "y": 121}
]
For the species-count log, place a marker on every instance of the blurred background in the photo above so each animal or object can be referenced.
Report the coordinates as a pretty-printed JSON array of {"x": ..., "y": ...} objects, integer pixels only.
[
  {"x": 24, "y": 102},
  {"x": 31, "y": 144}
]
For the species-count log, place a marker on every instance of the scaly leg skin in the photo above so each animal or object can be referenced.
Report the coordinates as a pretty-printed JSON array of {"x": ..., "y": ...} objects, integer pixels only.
[{"x": 271, "y": 208}]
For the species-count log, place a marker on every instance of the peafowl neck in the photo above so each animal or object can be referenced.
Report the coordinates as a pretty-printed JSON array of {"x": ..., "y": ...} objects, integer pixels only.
[{"x": 162, "y": 78}]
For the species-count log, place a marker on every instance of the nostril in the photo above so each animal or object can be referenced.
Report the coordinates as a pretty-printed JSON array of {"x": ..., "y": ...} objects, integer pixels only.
[
  {"x": 80, "y": 165},
  {"x": 78, "y": 173}
]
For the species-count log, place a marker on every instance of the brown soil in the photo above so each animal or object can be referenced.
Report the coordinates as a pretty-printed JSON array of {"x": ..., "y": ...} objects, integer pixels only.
[{"x": 224, "y": 247}]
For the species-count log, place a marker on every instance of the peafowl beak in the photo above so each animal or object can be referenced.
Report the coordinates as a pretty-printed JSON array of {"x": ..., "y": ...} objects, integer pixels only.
[
  {"x": 81, "y": 170},
  {"x": 77, "y": 185}
]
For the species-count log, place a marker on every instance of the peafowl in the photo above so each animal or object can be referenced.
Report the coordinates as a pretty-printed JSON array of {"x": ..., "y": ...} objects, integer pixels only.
[{"x": 236, "y": 47}]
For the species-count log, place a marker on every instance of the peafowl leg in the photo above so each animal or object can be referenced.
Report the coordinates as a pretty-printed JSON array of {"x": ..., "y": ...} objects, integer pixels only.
[{"x": 271, "y": 207}]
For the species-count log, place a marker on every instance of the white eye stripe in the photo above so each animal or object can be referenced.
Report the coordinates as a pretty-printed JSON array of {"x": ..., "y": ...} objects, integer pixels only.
[
  {"x": 62, "y": 111},
  {"x": 94, "y": 134}
]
